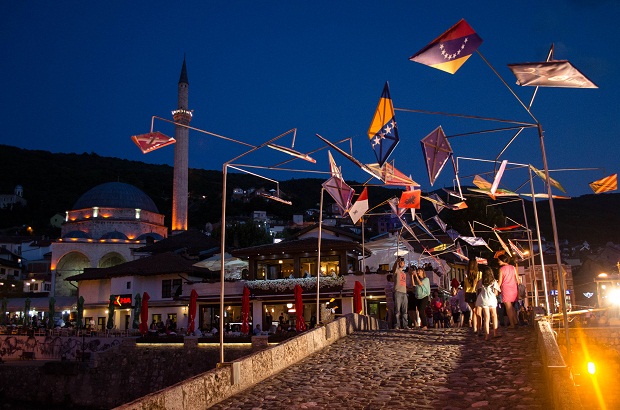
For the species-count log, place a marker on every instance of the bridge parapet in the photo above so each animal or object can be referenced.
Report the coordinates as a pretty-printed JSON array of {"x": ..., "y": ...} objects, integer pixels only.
[{"x": 231, "y": 378}]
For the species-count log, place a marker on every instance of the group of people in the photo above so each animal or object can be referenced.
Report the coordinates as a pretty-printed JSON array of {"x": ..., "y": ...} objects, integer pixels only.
[
  {"x": 474, "y": 302},
  {"x": 482, "y": 290},
  {"x": 399, "y": 302}
]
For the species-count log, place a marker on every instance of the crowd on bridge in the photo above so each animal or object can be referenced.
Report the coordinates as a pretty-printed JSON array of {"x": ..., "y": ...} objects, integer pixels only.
[{"x": 485, "y": 300}]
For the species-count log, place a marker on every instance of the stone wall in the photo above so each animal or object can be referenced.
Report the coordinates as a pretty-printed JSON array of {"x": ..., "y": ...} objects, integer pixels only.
[
  {"x": 111, "y": 377},
  {"x": 206, "y": 389}
]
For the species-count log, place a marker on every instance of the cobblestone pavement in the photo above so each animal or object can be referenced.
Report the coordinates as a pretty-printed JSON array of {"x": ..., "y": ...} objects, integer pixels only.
[{"x": 408, "y": 369}]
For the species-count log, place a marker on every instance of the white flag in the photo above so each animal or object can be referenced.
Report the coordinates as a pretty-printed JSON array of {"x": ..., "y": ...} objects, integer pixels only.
[{"x": 360, "y": 207}]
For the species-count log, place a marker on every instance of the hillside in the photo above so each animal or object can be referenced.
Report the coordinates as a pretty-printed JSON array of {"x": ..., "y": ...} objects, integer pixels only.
[{"x": 53, "y": 183}]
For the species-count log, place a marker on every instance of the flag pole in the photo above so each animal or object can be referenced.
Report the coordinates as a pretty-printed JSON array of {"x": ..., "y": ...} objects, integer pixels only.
[{"x": 318, "y": 262}]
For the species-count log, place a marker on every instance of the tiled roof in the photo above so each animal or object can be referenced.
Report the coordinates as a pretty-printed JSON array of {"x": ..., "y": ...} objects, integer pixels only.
[
  {"x": 193, "y": 241},
  {"x": 298, "y": 246},
  {"x": 159, "y": 264}
]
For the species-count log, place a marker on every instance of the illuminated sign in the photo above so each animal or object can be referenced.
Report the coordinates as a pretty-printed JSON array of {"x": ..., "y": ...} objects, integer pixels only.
[
  {"x": 122, "y": 301},
  {"x": 588, "y": 294},
  {"x": 555, "y": 292}
]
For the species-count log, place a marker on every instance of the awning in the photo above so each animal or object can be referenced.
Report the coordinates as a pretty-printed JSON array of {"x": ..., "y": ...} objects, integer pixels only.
[{"x": 42, "y": 304}]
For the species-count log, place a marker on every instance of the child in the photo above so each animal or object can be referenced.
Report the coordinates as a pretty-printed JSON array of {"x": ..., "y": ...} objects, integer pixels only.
[{"x": 487, "y": 300}]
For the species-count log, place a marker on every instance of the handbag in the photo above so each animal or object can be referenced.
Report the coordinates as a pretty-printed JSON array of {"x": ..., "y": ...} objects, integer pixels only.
[{"x": 522, "y": 292}]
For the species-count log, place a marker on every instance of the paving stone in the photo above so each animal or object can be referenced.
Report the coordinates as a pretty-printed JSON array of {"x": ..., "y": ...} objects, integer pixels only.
[{"x": 436, "y": 369}]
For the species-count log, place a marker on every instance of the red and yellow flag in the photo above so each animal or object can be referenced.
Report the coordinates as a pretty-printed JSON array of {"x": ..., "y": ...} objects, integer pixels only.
[{"x": 606, "y": 184}]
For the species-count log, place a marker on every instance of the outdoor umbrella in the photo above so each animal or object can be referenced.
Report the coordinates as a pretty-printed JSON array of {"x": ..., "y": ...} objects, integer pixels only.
[
  {"x": 357, "y": 297},
  {"x": 26, "y": 311},
  {"x": 245, "y": 311},
  {"x": 144, "y": 314},
  {"x": 52, "y": 306},
  {"x": 110, "y": 324},
  {"x": 3, "y": 313},
  {"x": 80, "y": 312},
  {"x": 136, "y": 311},
  {"x": 300, "y": 323},
  {"x": 191, "y": 315}
]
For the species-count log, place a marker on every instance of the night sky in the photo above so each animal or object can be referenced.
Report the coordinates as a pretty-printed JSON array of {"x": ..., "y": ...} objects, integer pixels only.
[{"x": 85, "y": 76}]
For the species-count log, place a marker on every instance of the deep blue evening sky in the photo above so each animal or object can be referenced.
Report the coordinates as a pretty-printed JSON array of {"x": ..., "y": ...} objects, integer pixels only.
[{"x": 85, "y": 76}]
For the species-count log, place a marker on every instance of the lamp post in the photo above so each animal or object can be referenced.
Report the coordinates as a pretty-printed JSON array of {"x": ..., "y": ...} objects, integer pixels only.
[{"x": 225, "y": 167}]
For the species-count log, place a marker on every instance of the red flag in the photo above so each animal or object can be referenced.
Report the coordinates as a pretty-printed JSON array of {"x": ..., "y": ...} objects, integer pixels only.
[
  {"x": 152, "y": 141},
  {"x": 449, "y": 51},
  {"x": 410, "y": 199}
]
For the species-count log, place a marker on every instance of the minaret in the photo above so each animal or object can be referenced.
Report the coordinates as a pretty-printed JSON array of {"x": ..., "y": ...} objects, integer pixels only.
[{"x": 181, "y": 115}]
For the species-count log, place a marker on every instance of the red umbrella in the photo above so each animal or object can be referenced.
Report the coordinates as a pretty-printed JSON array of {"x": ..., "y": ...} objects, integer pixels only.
[
  {"x": 357, "y": 297},
  {"x": 144, "y": 314},
  {"x": 192, "y": 312},
  {"x": 300, "y": 323},
  {"x": 245, "y": 311}
]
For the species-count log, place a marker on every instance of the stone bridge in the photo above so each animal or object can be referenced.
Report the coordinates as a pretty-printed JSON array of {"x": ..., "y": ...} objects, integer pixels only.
[{"x": 352, "y": 364}]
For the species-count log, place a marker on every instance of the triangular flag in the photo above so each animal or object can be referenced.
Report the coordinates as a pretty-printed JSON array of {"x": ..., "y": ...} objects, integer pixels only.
[
  {"x": 360, "y": 206},
  {"x": 459, "y": 253},
  {"x": 481, "y": 261},
  {"x": 606, "y": 184},
  {"x": 382, "y": 132},
  {"x": 334, "y": 169},
  {"x": 449, "y": 51},
  {"x": 552, "y": 181},
  {"x": 516, "y": 249},
  {"x": 501, "y": 242},
  {"x": 474, "y": 241}
]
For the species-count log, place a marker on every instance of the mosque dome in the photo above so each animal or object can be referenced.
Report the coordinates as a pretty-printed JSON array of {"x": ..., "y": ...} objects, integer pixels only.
[
  {"x": 153, "y": 235},
  {"x": 77, "y": 234},
  {"x": 116, "y": 195},
  {"x": 114, "y": 235}
]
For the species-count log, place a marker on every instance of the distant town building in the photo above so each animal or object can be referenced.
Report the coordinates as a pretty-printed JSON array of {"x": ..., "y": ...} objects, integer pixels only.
[{"x": 16, "y": 198}]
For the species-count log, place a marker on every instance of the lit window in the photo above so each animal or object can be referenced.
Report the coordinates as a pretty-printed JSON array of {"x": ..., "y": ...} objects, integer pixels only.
[
  {"x": 137, "y": 213},
  {"x": 95, "y": 211}
]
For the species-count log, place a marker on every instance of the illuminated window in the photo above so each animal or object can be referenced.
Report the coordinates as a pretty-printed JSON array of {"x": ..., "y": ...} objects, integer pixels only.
[
  {"x": 95, "y": 211},
  {"x": 137, "y": 213}
]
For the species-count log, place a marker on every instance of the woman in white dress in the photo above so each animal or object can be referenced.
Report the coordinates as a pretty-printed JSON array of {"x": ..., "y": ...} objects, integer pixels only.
[{"x": 488, "y": 289}]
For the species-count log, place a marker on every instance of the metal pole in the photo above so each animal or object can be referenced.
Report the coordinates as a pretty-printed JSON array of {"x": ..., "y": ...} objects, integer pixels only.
[
  {"x": 318, "y": 261},
  {"x": 364, "y": 269},
  {"x": 531, "y": 245},
  {"x": 222, "y": 248},
  {"x": 540, "y": 249},
  {"x": 556, "y": 241}
]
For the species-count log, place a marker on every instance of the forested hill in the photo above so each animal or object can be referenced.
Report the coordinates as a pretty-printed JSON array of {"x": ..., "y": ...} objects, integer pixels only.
[{"x": 53, "y": 183}]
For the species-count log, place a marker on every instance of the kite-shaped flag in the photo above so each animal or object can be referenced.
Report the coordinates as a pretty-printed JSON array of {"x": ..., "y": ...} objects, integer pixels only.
[
  {"x": 501, "y": 242},
  {"x": 498, "y": 176},
  {"x": 389, "y": 175},
  {"x": 152, "y": 141},
  {"x": 439, "y": 222},
  {"x": 546, "y": 196},
  {"x": 481, "y": 261},
  {"x": 606, "y": 184},
  {"x": 422, "y": 224},
  {"x": 399, "y": 212},
  {"x": 341, "y": 192},
  {"x": 437, "y": 152},
  {"x": 555, "y": 73},
  {"x": 516, "y": 248},
  {"x": 410, "y": 199},
  {"x": 360, "y": 206},
  {"x": 454, "y": 235},
  {"x": 449, "y": 51},
  {"x": 553, "y": 182},
  {"x": 441, "y": 247},
  {"x": 383, "y": 133},
  {"x": 474, "y": 241},
  {"x": 459, "y": 253},
  {"x": 484, "y": 187},
  {"x": 348, "y": 156},
  {"x": 334, "y": 169}
]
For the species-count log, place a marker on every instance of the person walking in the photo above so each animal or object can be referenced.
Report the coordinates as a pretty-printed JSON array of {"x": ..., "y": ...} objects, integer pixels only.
[
  {"x": 422, "y": 292},
  {"x": 470, "y": 285},
  {"x": 487, "y": 300},
  {"x": 400, "y": 294},
  {"x": 508, "y": 283}
]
